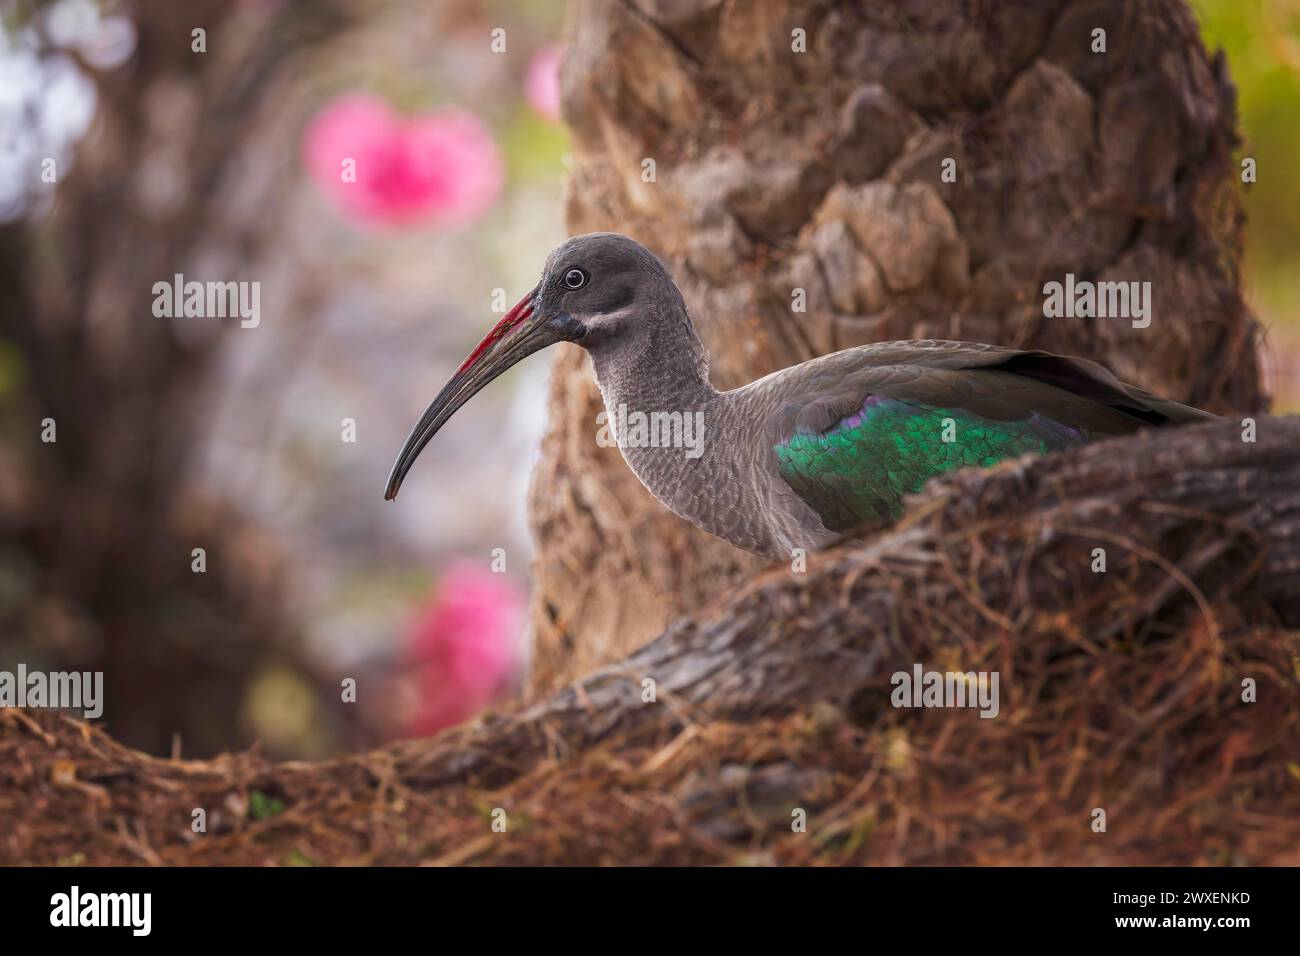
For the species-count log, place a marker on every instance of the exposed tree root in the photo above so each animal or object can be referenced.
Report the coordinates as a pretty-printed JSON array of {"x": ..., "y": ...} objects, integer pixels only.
[{"x": 1121, "y": 690}]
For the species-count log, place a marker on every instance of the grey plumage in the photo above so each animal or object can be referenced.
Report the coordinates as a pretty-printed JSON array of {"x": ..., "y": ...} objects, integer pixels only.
[{"x": 790, "y": 460}]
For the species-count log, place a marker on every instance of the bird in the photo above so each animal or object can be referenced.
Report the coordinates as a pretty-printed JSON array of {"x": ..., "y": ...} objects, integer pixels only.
[{"x": 799, "y": 458}]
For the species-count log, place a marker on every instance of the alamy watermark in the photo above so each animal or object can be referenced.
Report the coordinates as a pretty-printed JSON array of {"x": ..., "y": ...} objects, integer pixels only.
[
  {"x": 60, "y": 690},
  {"x": 1102, "y": 300},
  {"x": 209, "y": 300},
  {"x": 922, "y": 688},
  {"x": 651, "y": 430},
  {"x": 133, "y": 911}
]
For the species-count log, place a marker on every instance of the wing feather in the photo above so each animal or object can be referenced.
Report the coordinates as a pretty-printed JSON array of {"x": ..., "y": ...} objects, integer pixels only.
[{"x": 862, "y": 428}]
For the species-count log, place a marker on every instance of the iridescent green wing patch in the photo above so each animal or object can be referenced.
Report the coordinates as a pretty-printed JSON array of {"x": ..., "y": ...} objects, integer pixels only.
[{"x": 861, "y": 467}]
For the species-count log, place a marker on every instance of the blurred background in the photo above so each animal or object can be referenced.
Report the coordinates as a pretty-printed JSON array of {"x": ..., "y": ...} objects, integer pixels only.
[
  {"x": 195, "y": 508},
  {"x": 1261, "y": 39}
]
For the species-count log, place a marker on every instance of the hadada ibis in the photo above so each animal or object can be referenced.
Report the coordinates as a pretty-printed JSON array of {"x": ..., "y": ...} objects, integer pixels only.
[{"x": 800, "y": 456}]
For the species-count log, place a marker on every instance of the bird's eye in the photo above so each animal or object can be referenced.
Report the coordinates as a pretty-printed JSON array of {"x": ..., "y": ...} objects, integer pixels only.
[{"x": 575, "y": 278}]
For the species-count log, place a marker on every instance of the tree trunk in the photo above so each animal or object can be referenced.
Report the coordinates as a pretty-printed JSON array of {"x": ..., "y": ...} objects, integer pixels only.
[{"x": 779, "y": 174}]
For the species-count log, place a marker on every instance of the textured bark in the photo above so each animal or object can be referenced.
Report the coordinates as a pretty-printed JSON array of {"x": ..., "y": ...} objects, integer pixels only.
[
  {"x": 1120, "y": 689},
  {"x": 777, "y": 170}
]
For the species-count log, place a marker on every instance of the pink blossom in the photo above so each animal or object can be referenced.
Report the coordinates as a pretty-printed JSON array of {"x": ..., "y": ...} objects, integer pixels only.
[
  {"x": 464, "y": 648},
  {"x": 542, "y": 86},
  {"x": 441, "y": 166}
]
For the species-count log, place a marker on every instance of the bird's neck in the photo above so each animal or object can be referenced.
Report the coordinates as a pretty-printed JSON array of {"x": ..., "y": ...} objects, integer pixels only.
[
  {"x": 664, "y": 370},
  {"x": 672, "y": 426}
]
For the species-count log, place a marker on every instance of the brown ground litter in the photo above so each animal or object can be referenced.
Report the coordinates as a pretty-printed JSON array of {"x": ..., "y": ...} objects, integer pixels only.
[{"x": 1120, "y": 690}]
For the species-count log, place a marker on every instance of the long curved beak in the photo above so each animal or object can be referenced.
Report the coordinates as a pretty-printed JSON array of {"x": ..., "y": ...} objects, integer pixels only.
[{"x": 515, "y": 337}]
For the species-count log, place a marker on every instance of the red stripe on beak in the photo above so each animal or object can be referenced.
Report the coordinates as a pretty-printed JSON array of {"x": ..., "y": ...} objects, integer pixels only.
[
  {"x": 509, "y": 341},
  {"x": 522, "y": 310}
]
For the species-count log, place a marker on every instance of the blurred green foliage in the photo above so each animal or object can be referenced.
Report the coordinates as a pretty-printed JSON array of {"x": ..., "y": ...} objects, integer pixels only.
[
  {"x": 534, "y": 147},
  {"x": 1261, "y": 39}
]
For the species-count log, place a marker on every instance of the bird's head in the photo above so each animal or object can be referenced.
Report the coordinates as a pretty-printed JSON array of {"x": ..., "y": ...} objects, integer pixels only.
[{"x": 602, "y": 290}]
